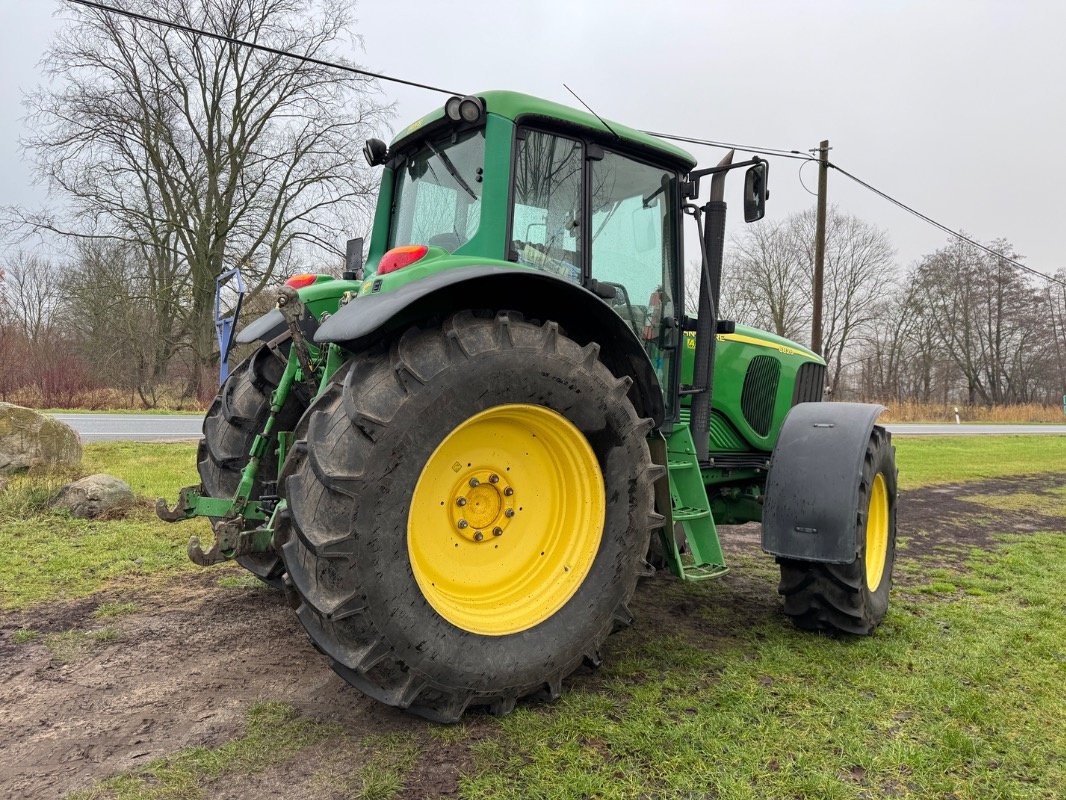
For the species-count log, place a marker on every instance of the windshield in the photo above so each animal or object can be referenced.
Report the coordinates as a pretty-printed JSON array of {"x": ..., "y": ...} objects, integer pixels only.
[{"x": 437, "y": 196}]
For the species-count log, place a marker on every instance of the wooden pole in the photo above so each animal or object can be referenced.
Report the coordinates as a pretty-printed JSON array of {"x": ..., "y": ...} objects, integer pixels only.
[{"x": 819, "y": 247}]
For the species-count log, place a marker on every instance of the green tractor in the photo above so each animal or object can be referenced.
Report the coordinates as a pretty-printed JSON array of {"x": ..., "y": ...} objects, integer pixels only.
[{"x": 459, "y": 459}]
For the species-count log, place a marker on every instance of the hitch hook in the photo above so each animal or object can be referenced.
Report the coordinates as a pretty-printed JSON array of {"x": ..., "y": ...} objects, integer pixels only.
[
  {"x": 199, "y": 557},
  {"x": 181, "y": 510}
]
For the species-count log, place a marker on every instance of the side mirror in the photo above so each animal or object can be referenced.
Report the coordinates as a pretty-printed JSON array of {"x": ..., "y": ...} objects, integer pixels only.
[
  {"x": 375, "y": 152},
  {"x": 353, "y": 259},
  {"x": 755, "y": 191}
]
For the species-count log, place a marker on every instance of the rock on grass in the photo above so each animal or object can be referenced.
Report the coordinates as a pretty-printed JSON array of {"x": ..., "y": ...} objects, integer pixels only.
[
  {"x": 30, "y": 440},
  {"x": 92, "y": 496}
]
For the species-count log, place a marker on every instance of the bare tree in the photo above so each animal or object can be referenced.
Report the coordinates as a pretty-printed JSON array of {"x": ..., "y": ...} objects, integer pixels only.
[
  {"x": 201, "y": 154},
  {"x": 115, "y": 324},
  {"x": 1056, "y": 307},
  {"x": 859, "y": 268},
  {"x": 31, "y": 296},
  {"x": 763, "y": 282},
  {"x": 990, "y": 320}
]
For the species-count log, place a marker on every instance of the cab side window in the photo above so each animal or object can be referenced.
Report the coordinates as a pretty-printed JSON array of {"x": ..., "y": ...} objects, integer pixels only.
[
  {"x": 634, "y": 248},
  {"x": 546, "y": 221}
]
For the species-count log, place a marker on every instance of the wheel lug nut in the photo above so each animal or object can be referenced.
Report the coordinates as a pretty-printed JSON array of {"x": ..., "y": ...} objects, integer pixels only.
[
  {"x": 509, "y": 512},
  {"x": 460, "y": 501},
  {"x": 494, "y": 478},
  {"x": 463, "y": 523},
  {"x": 474, "y": 481},
  {"x": 478, "y": 536},
  {"x": 508, "y": 492},
  {"x": 497, "y": 531}
]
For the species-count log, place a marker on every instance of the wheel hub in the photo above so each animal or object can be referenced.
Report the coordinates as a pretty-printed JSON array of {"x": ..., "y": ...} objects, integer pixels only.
[
  {"x": 484, "y": 504},
  {"x": 876, "y": 533}
]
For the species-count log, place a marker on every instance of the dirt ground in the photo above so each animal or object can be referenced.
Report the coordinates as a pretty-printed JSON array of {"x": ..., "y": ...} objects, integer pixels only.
[{"x": 184, "y": 668}]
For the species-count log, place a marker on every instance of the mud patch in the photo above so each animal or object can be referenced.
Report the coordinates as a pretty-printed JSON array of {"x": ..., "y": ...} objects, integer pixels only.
[
  {"x": 943, "y": 523},
  {"x": 183, "y": 672}
]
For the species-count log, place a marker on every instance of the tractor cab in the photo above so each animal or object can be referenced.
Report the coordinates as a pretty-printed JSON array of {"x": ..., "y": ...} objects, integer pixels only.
[{"x": 508, "y": 179}]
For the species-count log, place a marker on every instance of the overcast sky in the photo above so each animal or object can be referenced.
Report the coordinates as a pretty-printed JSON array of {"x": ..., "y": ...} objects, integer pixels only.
[{"x": 958, "y": 108}]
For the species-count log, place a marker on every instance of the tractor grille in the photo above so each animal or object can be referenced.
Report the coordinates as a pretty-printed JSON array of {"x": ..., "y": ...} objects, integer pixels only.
[
  {"x": 759, "y": 393},
  {"x": 810, "y": 382}
]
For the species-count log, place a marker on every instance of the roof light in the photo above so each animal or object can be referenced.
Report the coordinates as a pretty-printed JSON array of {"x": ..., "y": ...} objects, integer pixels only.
[
  {"x": 451, "y": 108},
  {"x": 471, "y": 109},
  {"x": 302, "y": 280},
  {"x": 399, "y": 257}
]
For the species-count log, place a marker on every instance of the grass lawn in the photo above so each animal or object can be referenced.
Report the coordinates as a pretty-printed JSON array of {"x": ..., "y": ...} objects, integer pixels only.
[
  {"x": 711, "y": 694},
  {"x": 924, "y": 460},
  {"x": 51, "y": 556}
]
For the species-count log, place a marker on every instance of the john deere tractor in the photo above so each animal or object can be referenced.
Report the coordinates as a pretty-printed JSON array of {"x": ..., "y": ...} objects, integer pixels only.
[{"x": 459, "y": 459}]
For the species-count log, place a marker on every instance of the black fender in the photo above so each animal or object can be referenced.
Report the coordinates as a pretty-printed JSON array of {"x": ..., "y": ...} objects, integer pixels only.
[
  {"x": 582, "y": 315},
  {"x": 265, "y": 328},
  {"x": 812, "y": 488}
]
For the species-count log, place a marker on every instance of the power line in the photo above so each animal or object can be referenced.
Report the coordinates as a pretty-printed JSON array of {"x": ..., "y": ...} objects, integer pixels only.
[
  {"x": 166, "y": 23},
  {"x": 796, "y": 154},
  {"x": 943, "y": 227},
  {"x": 765, "y": 151}
]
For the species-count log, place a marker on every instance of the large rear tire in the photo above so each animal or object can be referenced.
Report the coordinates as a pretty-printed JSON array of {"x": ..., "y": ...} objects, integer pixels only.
[
  {"x": 852, "y": 598},
  {"x": 238, "y": 413},
  {"x": 468, "y": 507}
]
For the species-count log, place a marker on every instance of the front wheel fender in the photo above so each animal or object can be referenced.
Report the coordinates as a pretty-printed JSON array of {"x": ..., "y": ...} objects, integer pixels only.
[{"x": 813, "y": 486}]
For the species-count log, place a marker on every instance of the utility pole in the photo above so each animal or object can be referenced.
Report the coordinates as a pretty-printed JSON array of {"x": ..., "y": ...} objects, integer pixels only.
[{"x": 819, "y": 247}]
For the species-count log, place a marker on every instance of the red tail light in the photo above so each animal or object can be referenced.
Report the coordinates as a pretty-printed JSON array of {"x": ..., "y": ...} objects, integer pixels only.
[
  {"x": 300, "y": 281},
  {"x": 399, "y": 257}
]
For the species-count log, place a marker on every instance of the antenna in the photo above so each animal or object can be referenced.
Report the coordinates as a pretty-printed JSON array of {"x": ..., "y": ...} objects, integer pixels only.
[{"x": 597, "y": 116}]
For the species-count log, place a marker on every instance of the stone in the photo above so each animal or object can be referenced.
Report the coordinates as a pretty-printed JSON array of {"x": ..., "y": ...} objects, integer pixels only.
[
  {"x": 92, "y": 496},
  {"x": 31, "y": 440}
]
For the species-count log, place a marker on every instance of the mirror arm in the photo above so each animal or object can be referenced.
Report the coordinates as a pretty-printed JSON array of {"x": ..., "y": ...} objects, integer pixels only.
[{"x": 692, "y": 185}]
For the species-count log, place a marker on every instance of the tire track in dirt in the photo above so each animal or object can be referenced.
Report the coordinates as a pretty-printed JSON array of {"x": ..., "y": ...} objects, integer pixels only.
[{"x": 182, "y": 673}]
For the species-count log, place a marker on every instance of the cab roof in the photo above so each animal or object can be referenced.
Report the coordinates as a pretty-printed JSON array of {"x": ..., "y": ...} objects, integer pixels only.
[{"x": 526, "y": 109}]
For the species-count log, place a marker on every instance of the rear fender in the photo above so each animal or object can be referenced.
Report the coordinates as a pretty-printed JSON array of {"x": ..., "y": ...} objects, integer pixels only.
[
  {"x": 812, "y": 489},
  {"x": 583, "y": 316}
]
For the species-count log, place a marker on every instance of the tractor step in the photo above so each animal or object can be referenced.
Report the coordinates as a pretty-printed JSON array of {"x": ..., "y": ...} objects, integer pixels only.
[
  {"x": 705, "y": 573},
  {"x": 683, "y": 513},
  {"x": 690, "y": 509}
]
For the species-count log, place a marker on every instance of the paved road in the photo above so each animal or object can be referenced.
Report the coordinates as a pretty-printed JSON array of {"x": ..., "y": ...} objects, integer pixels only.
[
  {"x": 143, "y": 427},
  {"x": 975, "y": 430},
  {"x": 133, "y": 427}
]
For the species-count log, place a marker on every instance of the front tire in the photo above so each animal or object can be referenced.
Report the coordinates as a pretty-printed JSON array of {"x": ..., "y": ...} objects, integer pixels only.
[
  {"x": 852, "y": 598},
  {"x": 502, "y": 424}
]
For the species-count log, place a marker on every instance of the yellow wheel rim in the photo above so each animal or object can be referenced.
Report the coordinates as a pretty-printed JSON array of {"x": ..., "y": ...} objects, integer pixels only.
[
  {"x": 876, "y": 533},
  {"x": 506, "y": 519}
]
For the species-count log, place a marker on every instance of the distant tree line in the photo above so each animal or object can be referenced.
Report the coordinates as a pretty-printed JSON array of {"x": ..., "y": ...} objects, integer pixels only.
[
  {"x": 960, "y": 326},
  {"x": 172, "y": 157}
]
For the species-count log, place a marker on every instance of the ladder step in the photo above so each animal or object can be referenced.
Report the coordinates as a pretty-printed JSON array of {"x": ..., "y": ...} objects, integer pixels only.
[
  {"x": 680, "y": 464},
  {"x": 685, "y": 513},
  {"x": 705, "y": 572}
]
